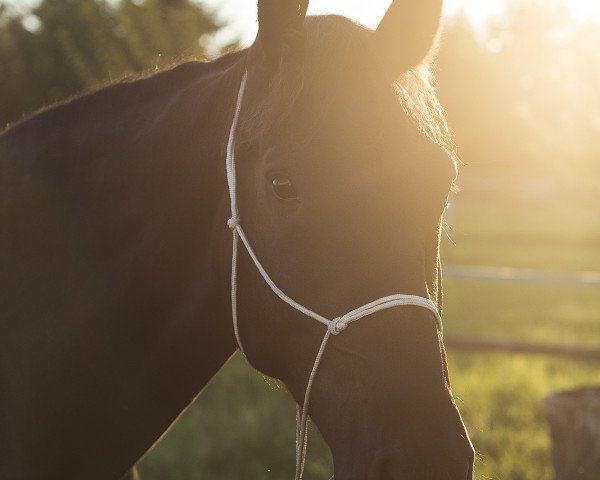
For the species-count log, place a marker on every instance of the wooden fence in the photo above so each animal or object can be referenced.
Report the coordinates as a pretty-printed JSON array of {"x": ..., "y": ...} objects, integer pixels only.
[{"x": 507, "y": 274}]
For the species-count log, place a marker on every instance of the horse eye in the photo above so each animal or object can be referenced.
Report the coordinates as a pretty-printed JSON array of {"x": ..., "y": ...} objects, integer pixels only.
[{"x": 284, "y": 188}]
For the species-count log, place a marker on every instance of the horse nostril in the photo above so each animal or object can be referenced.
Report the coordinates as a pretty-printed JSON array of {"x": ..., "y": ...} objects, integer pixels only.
[
  {"x": 413, "y": 466},
  {"x": 381, "y": 470}
]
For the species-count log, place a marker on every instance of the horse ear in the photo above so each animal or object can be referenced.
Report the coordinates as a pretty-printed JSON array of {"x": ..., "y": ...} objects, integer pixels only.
[
  {"x": 280, "y": 26},
  {"x": 406, "y": 34}
]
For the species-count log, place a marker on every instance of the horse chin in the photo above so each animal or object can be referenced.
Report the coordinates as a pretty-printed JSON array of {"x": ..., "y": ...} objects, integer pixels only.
[{"x": 395, "y": 463}]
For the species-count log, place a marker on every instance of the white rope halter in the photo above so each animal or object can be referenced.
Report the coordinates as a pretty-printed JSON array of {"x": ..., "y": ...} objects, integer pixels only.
[{"x": 334, "y": 327}]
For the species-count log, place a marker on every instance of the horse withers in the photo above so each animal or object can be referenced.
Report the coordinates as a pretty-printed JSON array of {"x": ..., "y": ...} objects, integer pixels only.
[{"x": 116, "y": 259}]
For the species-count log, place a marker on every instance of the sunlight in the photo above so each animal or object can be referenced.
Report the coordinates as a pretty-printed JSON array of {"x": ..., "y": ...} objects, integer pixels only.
[
  {"x": 584, "y": 9},
  {"x": 370, "y": 13},
  {"x": 478, "y": 12},
  {"x": 240, "y": 15}
]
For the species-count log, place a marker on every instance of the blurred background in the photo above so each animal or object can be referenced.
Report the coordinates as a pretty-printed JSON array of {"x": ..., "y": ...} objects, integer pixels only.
[{"x": 520, "y": 82}]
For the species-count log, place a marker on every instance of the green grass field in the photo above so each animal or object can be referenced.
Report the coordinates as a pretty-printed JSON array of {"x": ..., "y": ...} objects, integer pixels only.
[
  {"x": 501, "y": 395},
  {"x": 243, "y": 424}
]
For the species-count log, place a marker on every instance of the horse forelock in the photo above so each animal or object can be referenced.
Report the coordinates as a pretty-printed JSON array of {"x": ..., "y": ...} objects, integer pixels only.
[{"x": 335, "y": 52}]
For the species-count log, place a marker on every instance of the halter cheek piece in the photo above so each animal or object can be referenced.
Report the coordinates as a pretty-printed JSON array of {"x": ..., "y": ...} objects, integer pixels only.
[{"x": 334, "y": 327}]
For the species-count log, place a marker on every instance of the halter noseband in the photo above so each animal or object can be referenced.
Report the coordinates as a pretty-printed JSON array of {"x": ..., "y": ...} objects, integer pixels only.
[{"x": 334, "y": 327}]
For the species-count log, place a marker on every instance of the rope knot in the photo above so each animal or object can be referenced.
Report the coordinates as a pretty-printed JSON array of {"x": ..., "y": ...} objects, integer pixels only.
[
  {"x": 337, "y": 326},
  {"x": 233, "y": 223}
]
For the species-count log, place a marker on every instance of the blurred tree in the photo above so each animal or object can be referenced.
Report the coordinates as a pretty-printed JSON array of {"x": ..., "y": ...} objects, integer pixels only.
[
  {"x": 522, "y": 99},
  {"x": 61, "y": 48}
]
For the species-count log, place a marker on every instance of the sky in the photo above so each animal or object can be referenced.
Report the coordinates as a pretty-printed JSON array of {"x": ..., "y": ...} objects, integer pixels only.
[{"x": 240, "y": 15}]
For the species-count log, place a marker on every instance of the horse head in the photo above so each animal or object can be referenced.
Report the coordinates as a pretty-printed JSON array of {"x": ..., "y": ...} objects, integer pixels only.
[{"x": 342, "y": 180}]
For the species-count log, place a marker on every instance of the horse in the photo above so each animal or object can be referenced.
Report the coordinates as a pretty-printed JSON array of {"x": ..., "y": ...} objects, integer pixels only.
[{"x": 115, "y": 279}]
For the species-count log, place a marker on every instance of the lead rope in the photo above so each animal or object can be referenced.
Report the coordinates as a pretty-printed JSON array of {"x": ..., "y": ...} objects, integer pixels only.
[{"x": 334, "y": 327}]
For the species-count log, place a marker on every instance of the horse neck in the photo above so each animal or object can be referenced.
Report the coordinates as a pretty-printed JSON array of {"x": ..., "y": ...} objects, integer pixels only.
[
  {"x": 203, "y": 202},
  {"x": 199, "y": 328},
  {"x": 125, "y": 191}
]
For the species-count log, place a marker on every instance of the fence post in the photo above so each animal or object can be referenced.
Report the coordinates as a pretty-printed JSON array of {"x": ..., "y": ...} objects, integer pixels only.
[{"x": 574, "y": 418}]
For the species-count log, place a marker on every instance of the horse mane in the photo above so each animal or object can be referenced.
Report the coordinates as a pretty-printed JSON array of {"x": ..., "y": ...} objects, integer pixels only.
[
  {"x": 134, "y": 89},
  {"x": 335, "y": 44},
  {"x": 331, "y": 44}
]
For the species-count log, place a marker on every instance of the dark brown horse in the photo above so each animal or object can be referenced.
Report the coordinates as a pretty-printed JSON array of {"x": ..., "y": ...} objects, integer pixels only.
[{"x": 115, "y": 307}]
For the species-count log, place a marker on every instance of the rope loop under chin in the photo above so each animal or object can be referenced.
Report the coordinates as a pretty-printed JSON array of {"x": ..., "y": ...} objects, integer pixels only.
[{"x": 337, "y": 326}]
